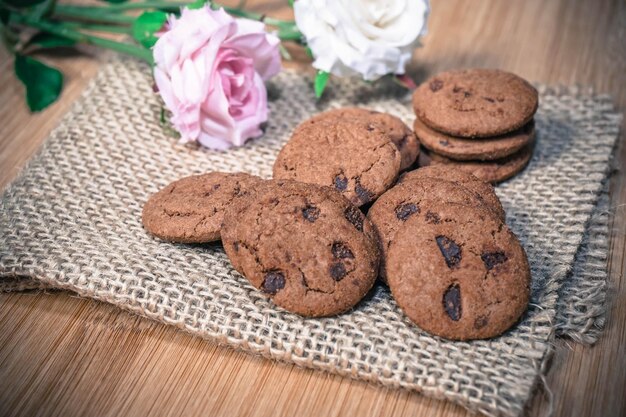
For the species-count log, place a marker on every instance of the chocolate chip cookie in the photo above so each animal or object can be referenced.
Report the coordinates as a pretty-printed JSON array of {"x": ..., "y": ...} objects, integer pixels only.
[
  {"x": 414, "y": 198},
  {"x": 463, "y": 277},
  {"x": 399, "y": 133},
  {"x": 475, "y": 102},
  {"x": 494, "y": 171},
  {"x": 191, "y": 210},
  {"x": 463, "y": 149},
  {"x": 305, "y": 246},
  {"x": 483, "y": 189},
  {"x": 355, "y": 158}
]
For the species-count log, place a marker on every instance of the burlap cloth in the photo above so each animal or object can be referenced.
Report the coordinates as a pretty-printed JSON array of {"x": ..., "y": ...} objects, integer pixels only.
[{"x": 71, "y": 220}]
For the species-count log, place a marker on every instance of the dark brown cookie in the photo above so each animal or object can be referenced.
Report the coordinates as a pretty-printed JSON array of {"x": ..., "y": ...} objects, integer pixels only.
[
  {"x": 483, "y": 189},
  {"x": 463, "y": 149},
  {"x": 414, "y": 198},
  {"x": 493, "y": 171},
  {"x": 356, "y": 159},
  {"x": 463, "y": 277},
  {"x": 305, "y": 246},
  {"x": 475, "y": 102},
  {"x": 399, "y": 133},
  {"x": 191, "y": 210}
]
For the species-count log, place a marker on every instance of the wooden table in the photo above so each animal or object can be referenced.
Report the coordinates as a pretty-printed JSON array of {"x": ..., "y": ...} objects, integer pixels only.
[{"x": 62, "y": 355}]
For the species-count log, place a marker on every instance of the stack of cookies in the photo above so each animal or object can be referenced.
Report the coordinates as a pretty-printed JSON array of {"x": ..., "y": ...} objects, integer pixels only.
[{"x": 479, "y": 121}]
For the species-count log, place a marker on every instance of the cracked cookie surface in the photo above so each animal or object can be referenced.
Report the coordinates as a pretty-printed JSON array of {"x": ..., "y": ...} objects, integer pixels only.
[
  {"x": 416, "y": 198},
  {"x": 399, "y": 133},
  {"x": 475, "y": 102},
  {"x": 303, "y": 245},
  {"x": 463, "y": 149},
  {"x": 483, "y": 188},
  {"x": 463, "y": 277},
  {"x": 357, "y": 159},
  {"x": 191, "y": 209}
]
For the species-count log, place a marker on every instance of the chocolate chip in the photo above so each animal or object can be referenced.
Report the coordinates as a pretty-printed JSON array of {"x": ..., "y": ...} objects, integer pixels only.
[
  {"x": 444, "y": 142},
  {"x": 489, "y": 99},
  {"x": 456, "y": 89},
  {"x": 452, "y": 302},
  {"x": 273, "y": 282},
  {"x": 480, "y": 322},
  {"x": 341, "y": 182},
  {"x": 450, "y": 250},
  {"x": 236, "y": 246},
  {"x": 491, "y": 259},
  {"x": 404, "y": 211},
  {"x": 369, "y": 127},
  {"x": 436, "y": 85},
  {"x": 364, "y": 194},
  {"x": 311, "y": 213},
  {"x": 467, "y": 94},
  {"x": 341, "y": 251},
  {"x": 337, "y": 271},
  {"x": 432, "y": 218},
  {"x": 354, "y": 216}
]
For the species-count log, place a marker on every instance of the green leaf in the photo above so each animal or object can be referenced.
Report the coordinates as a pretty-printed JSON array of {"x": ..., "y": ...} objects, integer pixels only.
[
  {"x": 47, "y": 40},
  {"x": 43, "y": 9},
  {"x": 146, "y": 25},
  {"x": 115, "y": 1},
  {"x": 198, "y": 4},
  {"x": 321, "y": 79},
  {"x": 43, "y": 83},
  {"x": 22, "y": 4},
  {"x": 309, "y": 52},
  {"x": 291, "y": 3}
]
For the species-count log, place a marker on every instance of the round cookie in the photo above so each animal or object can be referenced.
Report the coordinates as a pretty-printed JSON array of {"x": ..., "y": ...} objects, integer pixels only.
[
  {"x": 463, "y": 277},
  {"x": 191, "y": 209},
  {"x": 463, "y": 149},
  {"x": 399, "y": 133},
  {"x": 356, "y": 159},
  {"x": 493, "y": 171},
  {"x": 414, "y": 198},
  {"x": 305, "y": 246},
  {"x": 475, "y": 102},
  {"x": 483, "y": 189}
]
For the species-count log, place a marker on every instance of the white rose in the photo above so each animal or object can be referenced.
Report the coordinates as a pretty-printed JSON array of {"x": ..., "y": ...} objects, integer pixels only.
[{"x": 367, "y": 37}]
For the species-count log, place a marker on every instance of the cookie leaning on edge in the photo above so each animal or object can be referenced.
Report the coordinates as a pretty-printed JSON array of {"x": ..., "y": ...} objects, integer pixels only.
[
  {"x": 191, "y": 209},
  {"x": 470, "y": 278},
  {"x": 356, "y": 159},
  {"x": 415, "y": 199},
  {"x": 305, "y": 246},
  {"x": 399, "y": 133},
  {"x": 475, "y": 102},
  {"x": 463, "y": 149}
]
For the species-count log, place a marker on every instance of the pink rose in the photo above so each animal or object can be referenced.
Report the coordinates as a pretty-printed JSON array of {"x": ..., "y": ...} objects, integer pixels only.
[{"x": 210, "y": 70}]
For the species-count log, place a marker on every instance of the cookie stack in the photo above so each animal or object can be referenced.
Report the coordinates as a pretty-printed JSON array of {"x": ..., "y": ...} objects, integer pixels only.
[{"x": 478, "y": 120}]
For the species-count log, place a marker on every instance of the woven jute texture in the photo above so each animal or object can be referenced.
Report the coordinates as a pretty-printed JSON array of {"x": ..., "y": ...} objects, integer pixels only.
[{"x": 72, "y": 220}]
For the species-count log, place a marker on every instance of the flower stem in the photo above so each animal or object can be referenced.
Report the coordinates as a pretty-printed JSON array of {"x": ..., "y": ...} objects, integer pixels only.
[
  {"x": 98, "y": 28},
  {"x": 97, "y": 11},
  {"x": 97, "y": 14},
  {"x": 67, "y": 32}
]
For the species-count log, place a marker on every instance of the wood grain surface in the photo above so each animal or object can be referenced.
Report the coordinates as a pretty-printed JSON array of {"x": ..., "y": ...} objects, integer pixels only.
[{"x": 62, "y": 355}]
